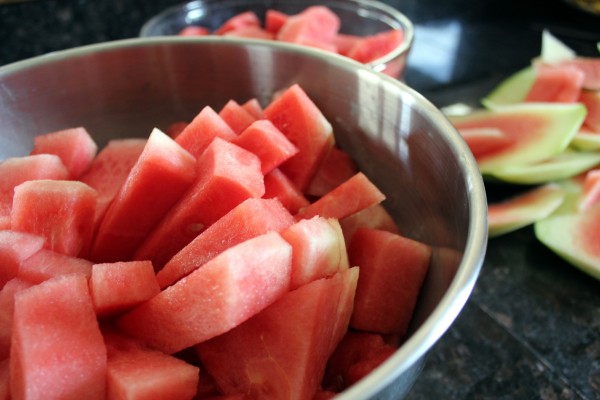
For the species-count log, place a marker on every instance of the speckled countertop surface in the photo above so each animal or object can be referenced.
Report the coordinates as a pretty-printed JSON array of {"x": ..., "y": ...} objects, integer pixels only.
[{"x": 531, "y": 329}]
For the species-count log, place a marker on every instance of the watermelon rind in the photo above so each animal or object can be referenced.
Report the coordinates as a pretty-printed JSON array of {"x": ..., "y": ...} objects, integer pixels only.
[
  {"x": 516, "y": 213},
  {"x": 561, "y": 234},
  {"x": 511, "y": 90},
  {"x": 553, "y": 50},
  {"x": 562, "y": 122},
  {"x": 560, "y": 167},
  {"x": 586, "y": 141}
]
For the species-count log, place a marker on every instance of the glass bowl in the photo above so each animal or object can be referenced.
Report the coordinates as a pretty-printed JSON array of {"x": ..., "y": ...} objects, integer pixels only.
[{"x": 357, "y": 17}]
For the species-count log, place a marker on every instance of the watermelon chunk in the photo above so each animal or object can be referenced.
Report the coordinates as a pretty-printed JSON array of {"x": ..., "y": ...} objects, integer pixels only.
[
  {"x": 376, "y": 46},
  {"x": 5, "y": 379},
  {"x": 391, "y": 266},
  {"x": 204, "y": 128},
  {"x": 211, "y": 300},
  {"x": 162, "y": 174},
  {"x": 295, "y": 114},
  {"x": 15, "y": 248},
  {"x": 274, "y": 20},
  {"x": 74, "y": 146},
  {"x": 57, "y": 350},
  {"x": 279, "y": 186},
  {"x": 254, "y": 108},
  {"x": 236, "y": 116},
  {"x": 48, "y": 264},
  {"x": 251, "y": 218},
  {"x": 336, "y": 168},
  {"x": 226, "y": 176},
  {"x": 252, "y": 32},
  {"x": 135, "y": 372},
  {"x": 244, "y": 19},
  {"x": 110, "y": 169},
  {"x": 60, "y": 211},
  {"x": 119, "y": 286},
  {"x": 316, "y": 26},
  {"x": 194, "y": 31},
  {"x": 376, "y": 217},
  {"x": 16, "y": 170},
  {"x": 591, "y": 100},
  {"x": 267, "y": 142},
  {"x": 281, "y": 352},
  {"x": 7, "y": 305},
  {"x": 318, "y": 249},
  {"x": 354, "y": 195}
]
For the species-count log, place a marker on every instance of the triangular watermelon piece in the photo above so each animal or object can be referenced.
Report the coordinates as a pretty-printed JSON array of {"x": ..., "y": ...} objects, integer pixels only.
[
  {"x": 48, "y": 264},
  {"x": 316, "y": 26},
  {"x": 279, "y": 186},
  {"x": 251, "y": 218},
  {"x": 204, "y": 128},
  {"x": 281, "y": 352},
  {"x": 236, "y": 116},
  {"x": 15, "y": 248},
  {"x": 225, "y": 292}
]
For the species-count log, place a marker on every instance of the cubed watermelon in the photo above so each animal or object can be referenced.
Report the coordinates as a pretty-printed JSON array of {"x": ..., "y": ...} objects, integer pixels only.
[
  {"x": 254, "y": 107},
  {"x": 376, "y": 46},
  {"x": 226, "y": 176},
  {"x": 298, "y": 117},
  {"x": 74, "y": 146},
  {"x": 243, "y": 19},
  {"x": 7, "y": 303},
  {"x": 279, "y": 186},
  {"x": 198, "y": 134},
  {"x": 120, "y": 286},
  {"x": 281, "y": 352},
  {"x": 337, "y": 167},
  {"x": 252, "y": 217},
  {"x": 274, "y": 20},
  {"x": 236, "y": 116},
  {"x": 62, "y": 212},
  {"x": 15, "y": 248},
  {"x": 391, "y": 267},
  {"x": 162, "y": 174},
  {"x": 376, "y": 217},
  {"x": 57, "y": 350},
  {"x": 211, "y": 300},
  {"x": 315, "y": 26},
  {"x": 47, "y": 264}
]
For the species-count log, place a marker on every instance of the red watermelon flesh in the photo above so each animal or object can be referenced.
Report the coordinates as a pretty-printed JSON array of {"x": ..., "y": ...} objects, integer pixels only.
[
  {"x": 267, "y": 142},
  {"x": 57, "y": 350},
  {"x": 119, "y": 286},
  {"x": 391, "y": 267},
  {"x": 356, "y": 355},
  {"x": 244, "y": 19},
  {"x": 60, "y": 211},
  {"x": 5, "y": 379},
  {"x": 376, "y": 46},
  {"x": 15, "y": 248},
  {"x": 590, "y": 194},
  {"x": 252, "y": 32},
  {"x": 274, "y": 20},
  {"x": 16, "y": 170},
  {"x": 254, "y": 108},
  {"x": 7, "y": 303},
  {"x": 345, "y": 42},
  {"x": 591, "y": 100},
  {"x": 295, "y": 114},
  {"x": 354, "y": 195},
  {"x": 318, "y": 249},
  {"x": 204, "y": 128},
  {"x": 251, "y": 218},
  {"x": 483, "y": 140},
  {"x": 236, "y": 116},
  {"x": 211, "y": 300},
  {"x": 74, "y": 146},
  {"x": 110, "y": 169},
  {"x": 590, "y": 66},
  {"x": 281, "y": 352},
  {"x": 376, "y": 217},
  {"x": 560, "y": 83},
  {"x": 48, "y": 264},
  {"x": 136, "y": 372},
  {"x": 279, "y": 186},
  {"x": 316, "y": 26},
  {"x": 226, "y": 176},
  {"x": 194, "y": 31},
  {"x": 337, "y": 167},
  {"x": 162, "y": 174}
]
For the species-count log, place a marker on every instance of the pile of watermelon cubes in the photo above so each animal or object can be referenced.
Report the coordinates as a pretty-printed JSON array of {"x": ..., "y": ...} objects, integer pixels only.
[
  {"x": 316, "y": 26},
  {"x": 237, "y": 255}
]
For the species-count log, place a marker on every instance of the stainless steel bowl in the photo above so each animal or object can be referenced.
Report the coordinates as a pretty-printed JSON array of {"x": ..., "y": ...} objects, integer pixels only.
[{"x": 400, "y": 140}]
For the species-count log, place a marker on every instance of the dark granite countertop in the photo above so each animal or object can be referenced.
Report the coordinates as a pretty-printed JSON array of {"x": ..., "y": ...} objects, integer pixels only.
[{"x": 531, "y": 329}]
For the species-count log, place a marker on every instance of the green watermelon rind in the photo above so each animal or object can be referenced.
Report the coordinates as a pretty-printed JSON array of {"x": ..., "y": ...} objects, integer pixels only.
[
  {"x": 560, "y": 167},
  {"x": 586, "y": 141},
  {"x": 559, "y": 234},
  {"x": 541, "y": 208},
  {"x": 511, "y": 90},
  {"x": 565, "y": 122}
]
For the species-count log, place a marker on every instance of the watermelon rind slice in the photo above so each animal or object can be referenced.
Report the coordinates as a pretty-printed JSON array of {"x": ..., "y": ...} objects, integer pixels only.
[
  {"x": 586, "y": 141},
  {"x": 563, "y": 166},
  {"x": 540, "y": 131},
  {"x": 553, "y": 50},
  {"x": 511, "y": 90},
  {"x": 563, "y": 235},
  {"x": 524, "y": 209}
]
